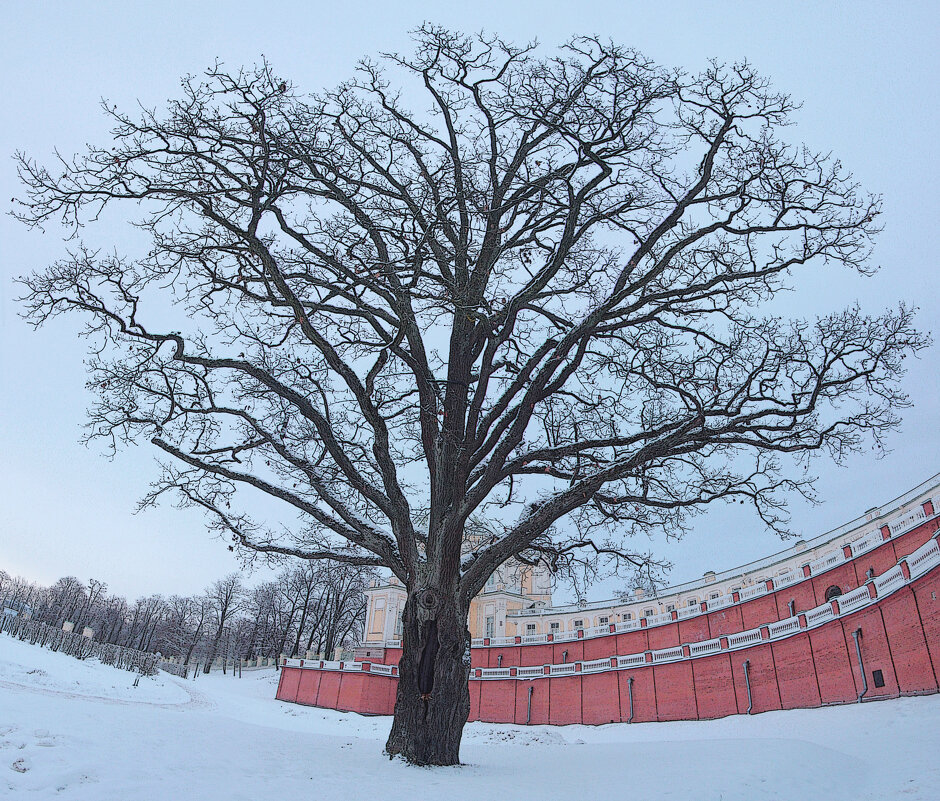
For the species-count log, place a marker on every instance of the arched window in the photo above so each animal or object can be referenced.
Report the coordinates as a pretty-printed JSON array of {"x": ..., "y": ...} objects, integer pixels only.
[{"x": 833, "y": 592}]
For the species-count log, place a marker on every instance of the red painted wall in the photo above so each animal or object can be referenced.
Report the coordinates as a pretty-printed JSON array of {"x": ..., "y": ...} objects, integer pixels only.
[
  {"x": 765, "y": 694},
  {"x": 758, "y": 612},
  {"x": 693, "y": 629},
  {"x": 842, "y": 577},
  {"x": 900, "y": 636},
  {"x": 876, "y": 654},
  {"x": 308, "y": 687},
  {"x": 927, "y": 595},
  {"x": 662, "y": 637},
  {"x": 714, "y": 686},
  {"x": 644, "y": 694},
  {"x": 832, "y": 662},
  {"x": 796, "y": 673},
  {"x": 907, "y": 643},
  {"x": 600, "y": 698},
  {"x": 882, "y": 558},
  {"x": 725, "y": 621},
  {"x": 675, "y": 693},
  {"x": 564, "y": 700},
  {"x": 540, "y": 698}
]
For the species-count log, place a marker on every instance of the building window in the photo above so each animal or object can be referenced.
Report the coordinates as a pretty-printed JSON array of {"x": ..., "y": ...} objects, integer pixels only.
[
  {"x": 579, "y": 624},
  {"x": 489, "y": 626},
  {"x": 603, "y": 621},
  {"x": 398, "y": 627},
  {"x": 555, "y": 626},
  {"x": 833, "y": 592},
  {"x": 530, "y": 628},
  {"x": 491, "y": 581},
  {"x": 693, "y": 601},
  {"x": 647, "y": 613},
  {"x": 713, "y": 596},
  {"x": 670, "y": 607},
  {"x": 628, "y": 616}
]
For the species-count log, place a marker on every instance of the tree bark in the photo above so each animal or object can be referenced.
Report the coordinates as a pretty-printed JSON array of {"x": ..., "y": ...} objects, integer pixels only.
[{"x": 433, "y": 701}]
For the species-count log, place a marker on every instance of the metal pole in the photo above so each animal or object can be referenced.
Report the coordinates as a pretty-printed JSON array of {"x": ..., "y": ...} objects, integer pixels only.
[{"x": 528, "y": 714}]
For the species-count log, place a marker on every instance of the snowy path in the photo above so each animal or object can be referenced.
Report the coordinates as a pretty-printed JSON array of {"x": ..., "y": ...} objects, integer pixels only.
[{"x": 81, "y": 731}]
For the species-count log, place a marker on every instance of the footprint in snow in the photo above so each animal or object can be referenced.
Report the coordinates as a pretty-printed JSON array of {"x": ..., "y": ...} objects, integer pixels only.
[{"x": 21, "y": 765}]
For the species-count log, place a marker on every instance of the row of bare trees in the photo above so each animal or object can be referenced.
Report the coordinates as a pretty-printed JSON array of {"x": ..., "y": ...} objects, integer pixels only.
[{"x": 307, "y": 607}]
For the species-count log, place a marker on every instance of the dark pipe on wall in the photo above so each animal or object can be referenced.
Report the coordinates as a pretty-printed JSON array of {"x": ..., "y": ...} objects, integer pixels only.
[
  {"x": 857, "y": 636},
  {"x": 747, "y": 683}
]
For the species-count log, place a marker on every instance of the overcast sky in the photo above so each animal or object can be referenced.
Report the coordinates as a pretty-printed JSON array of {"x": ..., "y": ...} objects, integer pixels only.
[{"x": 866, "y": 73}]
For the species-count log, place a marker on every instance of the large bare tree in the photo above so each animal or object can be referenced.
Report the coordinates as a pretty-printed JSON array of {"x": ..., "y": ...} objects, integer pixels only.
[{"x": 521, "y": 288}]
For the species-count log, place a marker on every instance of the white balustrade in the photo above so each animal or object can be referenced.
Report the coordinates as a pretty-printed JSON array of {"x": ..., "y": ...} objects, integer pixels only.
[
  {"x": 889, "y": 580},
  {"x": 825, "y": 562},
  {"x": 906, "y": 522},
  {"x": 788, "y": 578},
  {"x": 627, "y": 625},
  {"x": 705, "y": 647},
  {"x": 754, "y": 591},
  {"x": 477, "y": 642},
  {"x": 688, "y": 611},
  {"x": 853, "y": 600},
  {"x": 819, "y": 615},
  {"x": 668, "y": 654},
  {"x": 530, "y": 639},
  {"x": 784, "y": 627},
  {"x": 494, "y": 673},
  {"x": 923, "y": 559},
  {"x": 658, "y": 620},
  {"x": 562, "y": 670},
  {"x": 631, "y": 660},
  {"x": 742, "y": 638},
  {"x": 720, "y": 602},
  {"x": 530, "y": 672},
  {"x": 867, "y": 543},
  {"x": 595, "y": 665},
  {"x": 382, "y": 670}
]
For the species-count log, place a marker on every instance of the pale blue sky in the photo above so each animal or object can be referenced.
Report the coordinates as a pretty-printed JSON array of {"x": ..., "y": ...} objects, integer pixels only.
[{"x": 865, "y": 71}]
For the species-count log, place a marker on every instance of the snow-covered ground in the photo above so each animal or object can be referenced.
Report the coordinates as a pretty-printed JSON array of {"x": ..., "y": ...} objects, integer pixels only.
[{"x": 81, "y": 730}]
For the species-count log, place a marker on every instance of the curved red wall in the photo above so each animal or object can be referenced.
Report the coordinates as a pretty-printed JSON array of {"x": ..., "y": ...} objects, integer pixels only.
[{"x": 900, "y": 637}]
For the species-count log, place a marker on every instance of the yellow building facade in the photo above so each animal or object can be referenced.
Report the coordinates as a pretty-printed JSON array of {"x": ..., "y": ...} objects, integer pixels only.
[{"x": 513, "y": 588}]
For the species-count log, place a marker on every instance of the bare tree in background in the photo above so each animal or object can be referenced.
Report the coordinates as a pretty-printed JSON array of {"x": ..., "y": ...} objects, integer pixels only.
[
  {"x": 225, "y": 598},
  {"x": 535, "y": 301}
]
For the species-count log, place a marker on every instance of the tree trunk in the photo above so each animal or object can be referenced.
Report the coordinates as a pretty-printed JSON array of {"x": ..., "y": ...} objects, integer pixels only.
[
  {"x": 433, "y": 700},
  {"x": 213, "y": 650}
]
